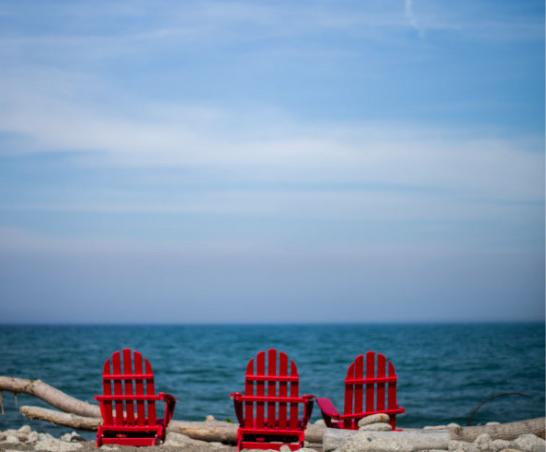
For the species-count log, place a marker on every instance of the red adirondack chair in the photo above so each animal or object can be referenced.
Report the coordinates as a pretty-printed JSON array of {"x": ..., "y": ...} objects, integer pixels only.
[
  {"x": 270, "y": 412},
  {"x": 128, "y": 403},
  {"x": 366, "y": 392}
]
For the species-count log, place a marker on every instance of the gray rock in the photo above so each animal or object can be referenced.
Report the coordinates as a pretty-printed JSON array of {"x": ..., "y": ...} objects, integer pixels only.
[
  {"x": 24, "y": 430},
  {"x": 361, "y": 444},
  {"x": 499, "y": 444},
  {"x": 462, "y": 446},
  {"x": 453, "y": 424},
  {"x": 285, "y": 449},
  {"x": 50, "y": 444},
  {"x": 71, "y": 437},
  {"x": 377, "y": 427},
  {"x": 373, "y": 419},
  {"x": 529, "y": 443},
  {"x": 351, "y": 441},
  {"x": 210, "y": 418},
  {"x": 320, "y": 422},
  {"x": 492, "y": 423},
  {"x": 11, "y": 439},
  {"x": 106, "y": 447},
  {"x": 435, "y": 427},
  {"x": 367, "y": 441},
  {"x": 32, "y": 437},
  {"x": 483, "y": 442},
  {"x": 510, "y": 450},
  {"x": 178, "y": 439}
]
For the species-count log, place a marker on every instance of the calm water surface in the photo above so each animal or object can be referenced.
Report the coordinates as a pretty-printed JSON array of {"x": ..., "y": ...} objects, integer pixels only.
[{"x": 444, "y": 370}]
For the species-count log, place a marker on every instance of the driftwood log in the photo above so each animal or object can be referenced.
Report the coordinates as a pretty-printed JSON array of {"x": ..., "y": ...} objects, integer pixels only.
[
  {"x": 49, "y": 394},
  {"x": 420, "y": 439},
  {"x": 60, "y": 418},
  {"x": 508, "y": 431}
]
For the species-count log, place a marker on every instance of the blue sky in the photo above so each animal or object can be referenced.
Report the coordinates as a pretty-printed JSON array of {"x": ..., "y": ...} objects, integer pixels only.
[{"x": 271, "y": 161}]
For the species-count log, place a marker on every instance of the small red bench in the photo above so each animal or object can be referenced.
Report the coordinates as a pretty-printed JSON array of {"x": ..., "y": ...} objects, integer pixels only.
[
  {"x": 370, "y": 388},
  {"x": 271, "y": 412},
  {"x": 128, "y": 403}
]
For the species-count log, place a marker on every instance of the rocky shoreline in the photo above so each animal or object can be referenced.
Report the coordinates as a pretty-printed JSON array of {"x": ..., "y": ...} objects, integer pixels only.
[
  {"x": 373, "y": 436},
  {"x": 26, "y": 439}
]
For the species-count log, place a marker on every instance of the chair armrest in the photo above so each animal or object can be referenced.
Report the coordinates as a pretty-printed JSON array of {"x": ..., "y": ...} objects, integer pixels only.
[
  {"x": 329, "y": 411},
  {"x": 308, "y": 408},
  {"x": 170, "y": 403},
  {"x": 238, "y": 405}
]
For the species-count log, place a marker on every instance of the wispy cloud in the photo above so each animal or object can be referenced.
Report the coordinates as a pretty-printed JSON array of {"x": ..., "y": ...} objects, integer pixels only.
[
  {"x": 412, "y": 19},
  {"x": 271, "y": 144}
]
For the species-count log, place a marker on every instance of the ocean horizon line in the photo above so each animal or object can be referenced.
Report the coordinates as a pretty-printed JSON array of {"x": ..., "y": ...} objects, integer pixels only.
[{"x": 281, "y": 323}]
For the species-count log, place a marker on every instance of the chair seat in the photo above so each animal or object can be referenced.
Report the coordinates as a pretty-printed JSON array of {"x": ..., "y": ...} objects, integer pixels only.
[
  {"x": 277, "y": 431},
  {"x": 133, "y": 428},
  {"x": 159, "y": 424}
]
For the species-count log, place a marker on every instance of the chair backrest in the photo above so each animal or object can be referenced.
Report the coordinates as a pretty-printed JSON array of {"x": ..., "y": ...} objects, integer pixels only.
[
  {"x": 271, "y": 392},
  {"x": 370, "y": 387},
  {"x": 128, "y": 390}
]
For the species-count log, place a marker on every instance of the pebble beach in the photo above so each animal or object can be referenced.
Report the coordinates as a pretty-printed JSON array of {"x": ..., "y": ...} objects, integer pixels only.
[{"x": 365, "y": 440}]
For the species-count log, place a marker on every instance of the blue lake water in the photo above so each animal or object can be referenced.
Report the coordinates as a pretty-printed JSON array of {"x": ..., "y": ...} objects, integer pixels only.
[{"x": 444, "y": 371}]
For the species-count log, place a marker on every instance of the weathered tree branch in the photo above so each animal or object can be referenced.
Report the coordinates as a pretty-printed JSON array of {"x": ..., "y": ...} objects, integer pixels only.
[
  {"x": 436, "y": 439},
  {"x": 60, "y": 418},
  {"x": 49, "y": 394},
  {"x": 508, "y": 431},
  {"x": 416, "y": 438}
]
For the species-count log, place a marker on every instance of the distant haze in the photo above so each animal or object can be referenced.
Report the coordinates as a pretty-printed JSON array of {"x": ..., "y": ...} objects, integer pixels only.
[{"x": 207, "y": 161}]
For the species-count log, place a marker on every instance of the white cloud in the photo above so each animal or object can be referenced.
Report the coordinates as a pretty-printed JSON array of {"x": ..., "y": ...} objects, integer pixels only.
[{"x": 270, "y": 145}]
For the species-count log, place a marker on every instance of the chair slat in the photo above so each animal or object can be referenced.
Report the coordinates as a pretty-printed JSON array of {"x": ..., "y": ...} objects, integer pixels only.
[
  {"x": 125, "y": 376},
  {"x": 107, "y": 390},
  {"x": 283, "y": 387},
  {"x": 381, "y": 365},
  {"x": 268, "y": 378},
  {"x": 370, "y": 387},
  {"x": 128, "y": 368},
  {"x": 150, "y": 390},
  {"x": 141, "y": 412},
  {"x": 349, "y": 394},
  {"x": 273, "y": 399},
  {"x": 133, "y": 397},
  {"x": 358, "y": 386},
  {"x": 118, "y": 390},
  {"x": 294, "y": 391},
  {"x": 392, "y": 388},
  {"x": 249, "y": 389},
  {"x": 365, "y": 380},
  {"x": 271, "y": 386},
  {"x": 260, "y": 369}
]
